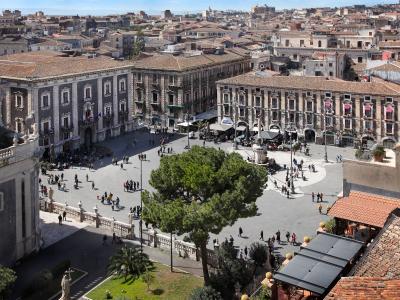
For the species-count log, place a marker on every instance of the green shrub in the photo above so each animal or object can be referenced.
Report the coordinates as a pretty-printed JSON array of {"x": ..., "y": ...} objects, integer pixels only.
[
  {"x": 205, "y": 293},
  {"x": 108, "y": 295},
  {"x": 330, "y": 225}
]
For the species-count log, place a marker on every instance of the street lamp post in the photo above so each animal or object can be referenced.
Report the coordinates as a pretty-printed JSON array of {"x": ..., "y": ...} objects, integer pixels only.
[
  {"x": 235, "y": 145},
  {"x": 291, "y": 164},
  {"x": 326, "y": 148},
  {"x": 141, "y": 158},
  {"x": 188, "y": 128}
]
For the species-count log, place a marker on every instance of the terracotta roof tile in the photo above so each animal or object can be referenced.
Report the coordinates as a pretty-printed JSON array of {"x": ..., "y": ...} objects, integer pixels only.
[
  {"x": 42, "y": 64},
  {"x": 365, "y": 288},
  {"x": 181, "y": 63},
  {"x": 311, "y": 83},
  {"x": 382, "y": 257},
  {"x": 368, "y": 209}
]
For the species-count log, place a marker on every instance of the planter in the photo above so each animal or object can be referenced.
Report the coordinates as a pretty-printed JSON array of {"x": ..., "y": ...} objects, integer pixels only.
[{"x": 379, "y": 157}]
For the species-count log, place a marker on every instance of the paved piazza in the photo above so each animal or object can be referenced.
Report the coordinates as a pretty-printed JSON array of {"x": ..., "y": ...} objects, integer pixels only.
[{"x": 275, "y": 211}]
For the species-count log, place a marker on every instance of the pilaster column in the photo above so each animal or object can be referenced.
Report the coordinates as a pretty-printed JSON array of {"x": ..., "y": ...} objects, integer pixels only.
[
  {"x": 338, "y": 104},
  {"x": 56, "y": 113},
  {"x": 318, "y": 123},
  {"x": 115, "y": 99},
  {"x": 357, "y": 109},
  {"x": 219, "y": 104},
  {"x": 29, "y": 100},
  {"x": 1, "y": 113},
  {"x": 265, "y": 107},
  {"x": 129, "y": 99},
  {"x": 8, "y": 106},
  {"x": 250, "y": 108},
  {"x": 100, "y": 110},
  {"x": 378, "y": 118},
  {"x": 300, "y": 109},
  {"x": 283, "y": 109},
  {"x": 35, "y": 104},
  {"x": 234, "y": 104},
  {"x": 75, "y": 117}
]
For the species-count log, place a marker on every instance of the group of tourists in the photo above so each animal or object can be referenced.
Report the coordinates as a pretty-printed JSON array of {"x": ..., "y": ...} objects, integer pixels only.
[
  {"x": 108, "y": 199},
  {"x": 131, "y": 185}
]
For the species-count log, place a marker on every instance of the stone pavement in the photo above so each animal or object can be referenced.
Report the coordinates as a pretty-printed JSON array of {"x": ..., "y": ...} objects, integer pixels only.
[
  {"x": 85, "y": 250},
  {"x": 275, "y": 211},
  {"x": 52, "y": 232}
]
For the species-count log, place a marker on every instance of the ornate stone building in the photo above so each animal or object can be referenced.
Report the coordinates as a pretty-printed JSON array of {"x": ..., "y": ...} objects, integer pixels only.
[
  {"x": 346, "y": 111},
  {"x": 74, "y": 100},
  {"x": 166, "y": 87},
  {"x": 19, "y": 200}
]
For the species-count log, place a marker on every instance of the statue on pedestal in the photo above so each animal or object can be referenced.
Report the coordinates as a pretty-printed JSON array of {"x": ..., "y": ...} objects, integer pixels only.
[{"x": 66, "y": 285}]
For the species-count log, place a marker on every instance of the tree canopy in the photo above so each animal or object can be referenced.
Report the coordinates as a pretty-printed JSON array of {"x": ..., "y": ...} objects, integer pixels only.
[{"x": 200, "y": 192}]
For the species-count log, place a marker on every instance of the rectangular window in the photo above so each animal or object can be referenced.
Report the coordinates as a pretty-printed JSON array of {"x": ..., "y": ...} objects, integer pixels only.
[
  {"x": 122, "y": 107},
  {"x": 241, "y": 100},
  {"x": 367, "y": 110},
  {"x": 347, "y": 124},
  {"x": 309, "y": 106},
  {"x": 88, "y": 93},
  {"x": 45, "y": 101},
  {"x": 139, "y": 77},
  {"x": 108, "y": 110},
  {"x": 226, "y": 98},
  {"x": 328, "y": 121},
  {"x": 107, "y": 89},
  {"x": 171, "y": 99},
  {"x": 328, "y": 95},
  {"x": 65, "y": 97},
  {"x": 291, "y": 104},
  {"x": 122, "y": 85},
  {"x": 46, "y": 127},
  {"x": 389, "y": 128},
  {"x": 18, "y": 125},
  {"x": 368, "y": 125},
  {"x": 274, "y": 103},
  {"x": 66, "y": 122},
  {"x": 155, "y": 98},
  {"x": 274, "y": 116},
  {"x": 257, "y": 102},
  {"x": 19, "y": 103},
  {"x": 347, "y": 97}
]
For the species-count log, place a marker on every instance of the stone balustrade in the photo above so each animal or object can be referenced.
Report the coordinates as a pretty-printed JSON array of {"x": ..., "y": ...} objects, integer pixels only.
[{"x": 151, "y": 237}]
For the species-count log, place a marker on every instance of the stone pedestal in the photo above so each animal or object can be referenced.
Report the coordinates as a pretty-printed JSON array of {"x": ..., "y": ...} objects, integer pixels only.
[{"x": 259, "y": 155}]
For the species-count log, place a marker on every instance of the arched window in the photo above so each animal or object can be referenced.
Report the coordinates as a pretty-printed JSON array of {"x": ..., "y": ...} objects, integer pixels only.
[
  {"x": 319, "y": 44},
  {"x": 107, "y": 88}
]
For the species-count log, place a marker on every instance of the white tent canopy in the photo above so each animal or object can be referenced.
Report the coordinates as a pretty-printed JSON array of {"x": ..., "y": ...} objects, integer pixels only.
[{"x": 184, "y": 124}]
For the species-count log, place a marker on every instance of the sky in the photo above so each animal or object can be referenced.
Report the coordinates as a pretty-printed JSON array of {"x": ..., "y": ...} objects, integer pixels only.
[{"x": 98, "y": 7}]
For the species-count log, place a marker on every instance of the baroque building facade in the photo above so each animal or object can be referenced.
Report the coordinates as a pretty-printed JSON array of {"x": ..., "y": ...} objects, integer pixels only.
[
  {"x": 167, "y": 88},
  {"x": 19, "y": 200},
  {"x": 311, "y": 106},
  {"x": 73, "y": 100}
]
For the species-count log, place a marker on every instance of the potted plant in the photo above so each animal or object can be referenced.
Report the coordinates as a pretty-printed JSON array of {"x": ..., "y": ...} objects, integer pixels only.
[{"x": 379, "y": 153}]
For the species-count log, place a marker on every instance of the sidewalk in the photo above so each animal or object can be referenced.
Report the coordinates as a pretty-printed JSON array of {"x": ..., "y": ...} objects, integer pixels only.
[{"x": 85, "y": 250}]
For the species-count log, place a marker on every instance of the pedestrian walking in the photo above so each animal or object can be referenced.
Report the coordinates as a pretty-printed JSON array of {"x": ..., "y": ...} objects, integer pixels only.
[
  {"x": 245, "y": 251},
  {"x": 240, "y": 231},
  {"x": 278, "y": 236},
  {"x": 261, "y": 235},
  {"x": 294, "y": 239},
  {"x": 92, "y": 185},
  {"x": 320, "y": 209},
  {"x": 320, "y": 196},
  {"x": 87, "y": 177},
  {"x": 64, "y": 215},
  {"x": 59, "y": 220},
  {"x": 113, "y": 238},
  {"x": 288, "y": 236},
  {"x": 104, "y": 239},
  {"x": 312, "y": 196}
]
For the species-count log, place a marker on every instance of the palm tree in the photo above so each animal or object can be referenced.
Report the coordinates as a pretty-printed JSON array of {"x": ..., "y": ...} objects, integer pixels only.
[{"x": 129, "y": 262}]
